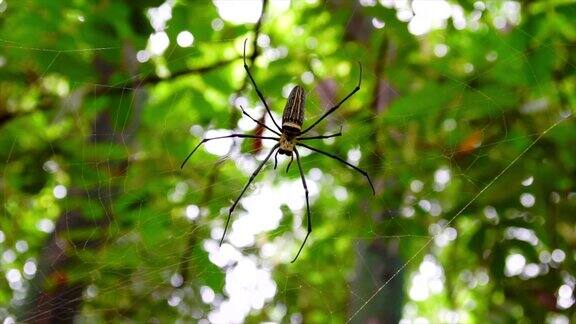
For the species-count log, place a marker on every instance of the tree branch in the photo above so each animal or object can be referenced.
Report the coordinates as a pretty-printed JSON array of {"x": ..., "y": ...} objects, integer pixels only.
[
  {"x": 49, "y": 102},
  {"x": 185, "y": 260},
  {"x": 199, "y": 70}
]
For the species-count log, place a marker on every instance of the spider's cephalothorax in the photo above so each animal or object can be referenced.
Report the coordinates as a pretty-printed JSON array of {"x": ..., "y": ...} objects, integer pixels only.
[
  {"x": 292, "y": 120},
  {"x": 289, "y": 136}
]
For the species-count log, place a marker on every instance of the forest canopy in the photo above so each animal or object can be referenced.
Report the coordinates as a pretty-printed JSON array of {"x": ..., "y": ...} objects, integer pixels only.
[{"x": 463, "y": 121}]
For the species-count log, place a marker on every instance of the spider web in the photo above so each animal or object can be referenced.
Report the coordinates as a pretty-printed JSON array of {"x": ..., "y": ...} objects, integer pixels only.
[
  {"x": 237, "y": 257},
  {"x": 436, "y": 235}
]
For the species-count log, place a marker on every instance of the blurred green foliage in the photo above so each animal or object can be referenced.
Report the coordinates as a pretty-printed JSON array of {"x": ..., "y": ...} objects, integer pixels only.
[{"x": 491, "y": 108}]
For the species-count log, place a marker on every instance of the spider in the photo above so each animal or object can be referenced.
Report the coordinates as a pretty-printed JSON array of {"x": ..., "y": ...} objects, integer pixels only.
[{"x": 289, "y": 137}]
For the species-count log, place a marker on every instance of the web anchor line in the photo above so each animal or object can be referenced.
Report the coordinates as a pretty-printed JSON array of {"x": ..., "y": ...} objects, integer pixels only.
[{"x": 500, "y": 174}]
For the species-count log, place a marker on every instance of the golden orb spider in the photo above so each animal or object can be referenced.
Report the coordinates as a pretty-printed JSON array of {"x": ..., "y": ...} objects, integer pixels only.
[{"x": 289, "y": 137}]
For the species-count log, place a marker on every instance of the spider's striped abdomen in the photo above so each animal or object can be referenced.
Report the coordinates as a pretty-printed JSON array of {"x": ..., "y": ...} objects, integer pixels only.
[{"x": 293, "y": 116}]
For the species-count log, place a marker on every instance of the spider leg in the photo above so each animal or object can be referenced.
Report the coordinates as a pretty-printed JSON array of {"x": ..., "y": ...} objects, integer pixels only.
[
  {"x": 364, "y": 173},
  {"x": 333, "y": 109},
  {"x": 258, "y": 122},
  {"x": 254, "y": 174},
  {"x": 290, "y": 163},
  {"x": 320, "y": 137},
  {"x": 258, "y": 90},
  {"x": 309, "y": 228},
  {"x": 220, "y": 137},
  {"x": 276, "y": 159}
]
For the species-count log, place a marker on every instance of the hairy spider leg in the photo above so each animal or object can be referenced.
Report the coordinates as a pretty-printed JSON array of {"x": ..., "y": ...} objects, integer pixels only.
[
  {"x": 333, "y": 109},
  {"x": 225, "y": 136},
  {"x": 258, "y": 90},
  {"x": 309, "y": 228},
  {"x": 254, "y": 174},
  {"x": 364, "y": 173}
]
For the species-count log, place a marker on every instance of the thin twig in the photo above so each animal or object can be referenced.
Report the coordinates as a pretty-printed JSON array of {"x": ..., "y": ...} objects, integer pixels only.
[
  {"x": 104, "y": 89},
  {"x": 199, "y": 70}
]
